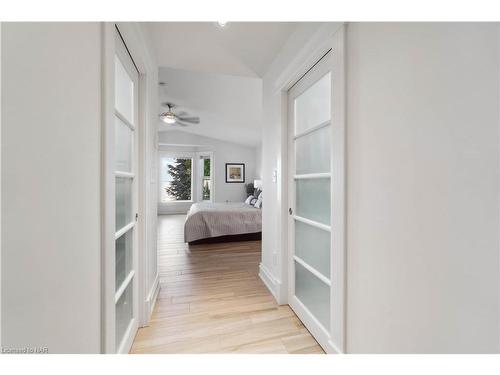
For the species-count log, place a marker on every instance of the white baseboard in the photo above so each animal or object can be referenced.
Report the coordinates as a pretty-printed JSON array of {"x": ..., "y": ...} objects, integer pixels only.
[
  {"x": 152, "y": 297},
  {"x": 332, "y": 348},
  {"x": 173, "y": 212},
  {"x": 270, "y": 281}
]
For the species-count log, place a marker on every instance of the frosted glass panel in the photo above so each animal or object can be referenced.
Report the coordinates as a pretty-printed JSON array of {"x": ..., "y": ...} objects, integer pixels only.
[
  {"x": 124, "y": 313},
  {"x": 312, "y": 152},
  {"x": 313, "y": 199},
  {"x": 123, "y": 257},
  {"x": 312, "y": 245},
  {"x": 123, "y": 202},
  {"x": 124, "y": 91},
  {"x": 123, "y": 146},
  {"x": 312, "y": 107},
  {"x": 314, "y": 294}
]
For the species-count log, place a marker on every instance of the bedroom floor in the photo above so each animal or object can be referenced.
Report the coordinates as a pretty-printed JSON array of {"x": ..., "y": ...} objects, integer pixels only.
[{"x": 212, "y": 301}]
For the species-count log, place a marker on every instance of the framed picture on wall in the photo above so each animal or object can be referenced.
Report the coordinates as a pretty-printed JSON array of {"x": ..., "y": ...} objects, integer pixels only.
[{"x": 235, "y": 173}]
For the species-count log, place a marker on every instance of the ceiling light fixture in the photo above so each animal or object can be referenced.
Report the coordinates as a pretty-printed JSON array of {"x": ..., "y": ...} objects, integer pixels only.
[
  {"x": 168, "y": 117},
  {"x": 222, "y": 23},
  {"x": 181, "y": 118}
]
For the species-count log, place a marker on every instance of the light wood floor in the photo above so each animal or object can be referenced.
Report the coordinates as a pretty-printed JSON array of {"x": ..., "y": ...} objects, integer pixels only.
[{"x": 212, "y": 301}]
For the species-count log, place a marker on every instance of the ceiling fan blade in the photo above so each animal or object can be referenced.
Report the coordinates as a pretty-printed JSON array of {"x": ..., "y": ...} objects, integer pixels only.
[
  {"x": 181, "y": 114},
  {"x": 192, "y": 120},
  {"x": 180, "y": 123}
]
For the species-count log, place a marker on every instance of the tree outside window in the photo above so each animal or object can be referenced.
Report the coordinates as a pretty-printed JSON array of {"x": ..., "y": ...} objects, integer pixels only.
[
  {"x": 207, "y": 180},
  {"x": 176, "y": 179}
]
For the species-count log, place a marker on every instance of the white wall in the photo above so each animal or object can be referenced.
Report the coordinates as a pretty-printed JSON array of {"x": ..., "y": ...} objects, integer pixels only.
[
  {"x": 423, "y": 188},
  {"x": 258, "y": 161},
  {"x": 422, "y": 184},
  {"x": 223, "y": 152},
  {"x": 51, "y": 290}
]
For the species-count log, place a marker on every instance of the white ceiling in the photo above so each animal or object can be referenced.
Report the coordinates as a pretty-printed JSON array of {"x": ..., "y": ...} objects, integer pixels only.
[
  {"x": 240, "y": 48},
  {"x": 215, "y": 73},
  {"x": 230, "y": 107}
]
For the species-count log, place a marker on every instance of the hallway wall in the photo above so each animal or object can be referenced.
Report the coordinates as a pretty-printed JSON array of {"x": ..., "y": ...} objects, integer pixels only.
[
  {"x": 51, "y": 116},
  {"x": 423, "y": 167},
  {"x": 258, "y": 162}
]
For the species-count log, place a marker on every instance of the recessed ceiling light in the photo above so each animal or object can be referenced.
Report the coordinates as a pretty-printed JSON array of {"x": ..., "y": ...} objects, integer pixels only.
[{"x": 222, "y": 23}]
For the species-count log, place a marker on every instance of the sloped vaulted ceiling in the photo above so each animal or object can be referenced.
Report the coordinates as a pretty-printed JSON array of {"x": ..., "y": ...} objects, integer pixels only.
[{"x": 215, "y": 73}]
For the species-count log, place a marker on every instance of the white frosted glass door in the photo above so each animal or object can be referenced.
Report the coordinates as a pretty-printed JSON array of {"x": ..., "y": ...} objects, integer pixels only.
[
  {"x": 124, "y": 137},
  {"x": 310, "y": 197},
  {"x": 313, "y": 293},
  {"x": 125, "y": 141},
  {"x": 312, "y": 152},
  {"x": 317, "y": 256}
]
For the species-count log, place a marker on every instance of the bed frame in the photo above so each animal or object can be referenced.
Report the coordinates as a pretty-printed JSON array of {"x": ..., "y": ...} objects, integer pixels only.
[{"x": 230, "y": 238}]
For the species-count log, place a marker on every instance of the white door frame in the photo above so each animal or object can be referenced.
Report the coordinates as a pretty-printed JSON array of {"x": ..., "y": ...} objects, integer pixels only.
[
  {"x": 336, "y": 343},
  {"x": 145, "y": 298}
]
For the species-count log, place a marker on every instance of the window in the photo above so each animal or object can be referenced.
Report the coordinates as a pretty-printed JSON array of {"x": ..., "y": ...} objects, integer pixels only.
[
  {"x": 207, "y": 180},
  {"x": 176, "y": 179}
]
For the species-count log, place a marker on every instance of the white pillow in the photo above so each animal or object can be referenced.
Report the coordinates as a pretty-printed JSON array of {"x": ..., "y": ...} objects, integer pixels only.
[
  {"x": 249, "y": 199},
  {"x": 258, "y": 203}
]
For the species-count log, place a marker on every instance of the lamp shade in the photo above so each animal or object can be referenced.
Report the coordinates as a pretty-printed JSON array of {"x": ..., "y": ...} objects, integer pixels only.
[{"x": 257, "y": 184}]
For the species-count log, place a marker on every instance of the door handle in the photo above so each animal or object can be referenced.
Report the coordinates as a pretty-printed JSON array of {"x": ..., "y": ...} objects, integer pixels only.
[{"x": 290, "y": 211}]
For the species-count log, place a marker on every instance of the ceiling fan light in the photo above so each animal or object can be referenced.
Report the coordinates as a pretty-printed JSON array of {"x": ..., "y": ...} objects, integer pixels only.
[
  {"x": 168, "y": 118},
  {"x": 222, "y": 23}
]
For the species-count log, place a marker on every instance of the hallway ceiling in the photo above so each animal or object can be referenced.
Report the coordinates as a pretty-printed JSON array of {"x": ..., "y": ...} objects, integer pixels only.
[{"x": 240, "y": 48}]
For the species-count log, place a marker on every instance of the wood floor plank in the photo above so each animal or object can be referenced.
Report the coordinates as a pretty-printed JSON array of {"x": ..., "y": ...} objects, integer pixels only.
[{"x": 212, "y": 301}]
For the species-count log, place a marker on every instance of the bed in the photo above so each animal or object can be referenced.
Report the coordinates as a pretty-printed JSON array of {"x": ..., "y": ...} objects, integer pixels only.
[{"x": 221, "y": 222}]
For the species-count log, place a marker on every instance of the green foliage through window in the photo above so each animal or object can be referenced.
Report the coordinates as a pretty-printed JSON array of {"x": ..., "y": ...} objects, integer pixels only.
[
  {"x": 206, "y": 179},
  {"x": 206, "y": 167},
  {"x": 180, "y": 186}
]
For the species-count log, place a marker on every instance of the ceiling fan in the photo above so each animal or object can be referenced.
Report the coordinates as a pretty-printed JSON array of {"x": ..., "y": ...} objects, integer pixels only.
[{"x": 180, "y": 118}]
